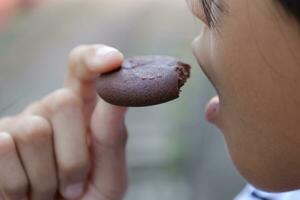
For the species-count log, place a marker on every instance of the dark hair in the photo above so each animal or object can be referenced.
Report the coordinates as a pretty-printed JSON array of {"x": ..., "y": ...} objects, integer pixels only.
[
  {"x": 211, "y": 5},
  {"x": 292, "y": 7}
]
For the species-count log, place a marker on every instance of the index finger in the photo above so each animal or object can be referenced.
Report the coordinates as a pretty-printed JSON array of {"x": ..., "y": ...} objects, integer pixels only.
[{"x": 85, "y": 64}]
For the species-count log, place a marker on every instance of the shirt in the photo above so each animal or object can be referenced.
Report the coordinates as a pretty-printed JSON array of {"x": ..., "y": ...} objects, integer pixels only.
[{"x": 251, "y": 193}]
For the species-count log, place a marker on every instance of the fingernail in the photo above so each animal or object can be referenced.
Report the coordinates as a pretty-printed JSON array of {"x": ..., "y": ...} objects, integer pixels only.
[
  {"x": 74, "y": 191},
  {"x": 103, "y": 56},
  {"x": 103, "y": 51}
]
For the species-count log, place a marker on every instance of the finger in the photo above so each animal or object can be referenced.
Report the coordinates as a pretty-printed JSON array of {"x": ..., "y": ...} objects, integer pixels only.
[
  {"x": 70, "y": 141},
  {"x": 38, "y": 108},
  {"x": 88, "y": 61},
  {"x": 13, "y": 180},
  {"x": 33, "y": 136},
  {"x": 1, "y": 196},
  {"x": 64, "y": 111},
  {"x": 108, "y": 124},
  {"x": 108, "y": 145},
  {"x": 85, "y": 65}
]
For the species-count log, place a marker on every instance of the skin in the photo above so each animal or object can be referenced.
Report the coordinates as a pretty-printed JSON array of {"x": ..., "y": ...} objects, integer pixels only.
[
  {"x": 69, "y": 144},
  {"x": 73, "y": 138},
  {"x": 252, "y": 58}
]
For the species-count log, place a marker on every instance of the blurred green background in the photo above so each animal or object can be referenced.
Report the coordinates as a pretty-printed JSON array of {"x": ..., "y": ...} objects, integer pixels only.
[{"x": 172, "y": 153}]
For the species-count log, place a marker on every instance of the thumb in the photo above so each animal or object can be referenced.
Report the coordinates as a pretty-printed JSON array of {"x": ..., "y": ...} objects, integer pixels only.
[{"x": 109, "y": 138}]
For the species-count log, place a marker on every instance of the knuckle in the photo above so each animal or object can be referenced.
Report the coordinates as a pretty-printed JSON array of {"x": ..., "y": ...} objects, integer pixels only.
[
  {"x": 34, "y": 128},
  {"x": 75, "y": 53},
  {"x": 78, "y": 49},
  {"x": 113, "y": 139},
  {"x": 16, "y": 190},
  {"x": 5, "y": 120},
  {"x": 74, "y": 171},
  {"x": 6, "y": 143},
  {"x": 64, "y": 98},
  {"x": 5, "y": 123},
  {"x": 40, "y": 188},
  {"x": 34, "y": 104},
  {"x": 48, "y": 189},
  {"x": 34, "y": 108}
]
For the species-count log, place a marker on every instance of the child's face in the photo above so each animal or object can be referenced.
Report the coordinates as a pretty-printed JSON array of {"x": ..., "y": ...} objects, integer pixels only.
[{"x": 252, "y": 57}]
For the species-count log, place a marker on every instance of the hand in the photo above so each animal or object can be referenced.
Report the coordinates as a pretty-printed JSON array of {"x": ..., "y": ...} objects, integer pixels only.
[{"x": 70, "y": 144}]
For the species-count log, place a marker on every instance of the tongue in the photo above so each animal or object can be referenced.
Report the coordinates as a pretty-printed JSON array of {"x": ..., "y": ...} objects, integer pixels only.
[{"x": 212, "y": 109}]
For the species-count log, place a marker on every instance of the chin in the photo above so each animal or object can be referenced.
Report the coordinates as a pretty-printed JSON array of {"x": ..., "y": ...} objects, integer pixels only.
[
  {"x": 270, "y": 182},
  {"x": 274, "y": 186}
]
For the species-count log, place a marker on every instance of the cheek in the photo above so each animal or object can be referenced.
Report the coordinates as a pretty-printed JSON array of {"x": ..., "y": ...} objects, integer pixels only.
[
  {"x": 258, "y": 117},
  {"x": 266, "y": 159},
  {"x": 257, "y": 113}
]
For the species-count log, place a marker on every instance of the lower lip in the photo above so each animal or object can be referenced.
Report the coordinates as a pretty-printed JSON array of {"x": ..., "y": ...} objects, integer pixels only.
[{"x": 212, "y": 109}]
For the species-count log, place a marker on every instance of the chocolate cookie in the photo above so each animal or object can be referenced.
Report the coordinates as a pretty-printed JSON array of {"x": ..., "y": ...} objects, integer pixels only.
[{"x": 144, "y": 81}]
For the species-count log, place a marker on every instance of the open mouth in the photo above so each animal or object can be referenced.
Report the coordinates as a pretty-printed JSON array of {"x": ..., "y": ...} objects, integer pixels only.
[{"x": 212, "y": 109}]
